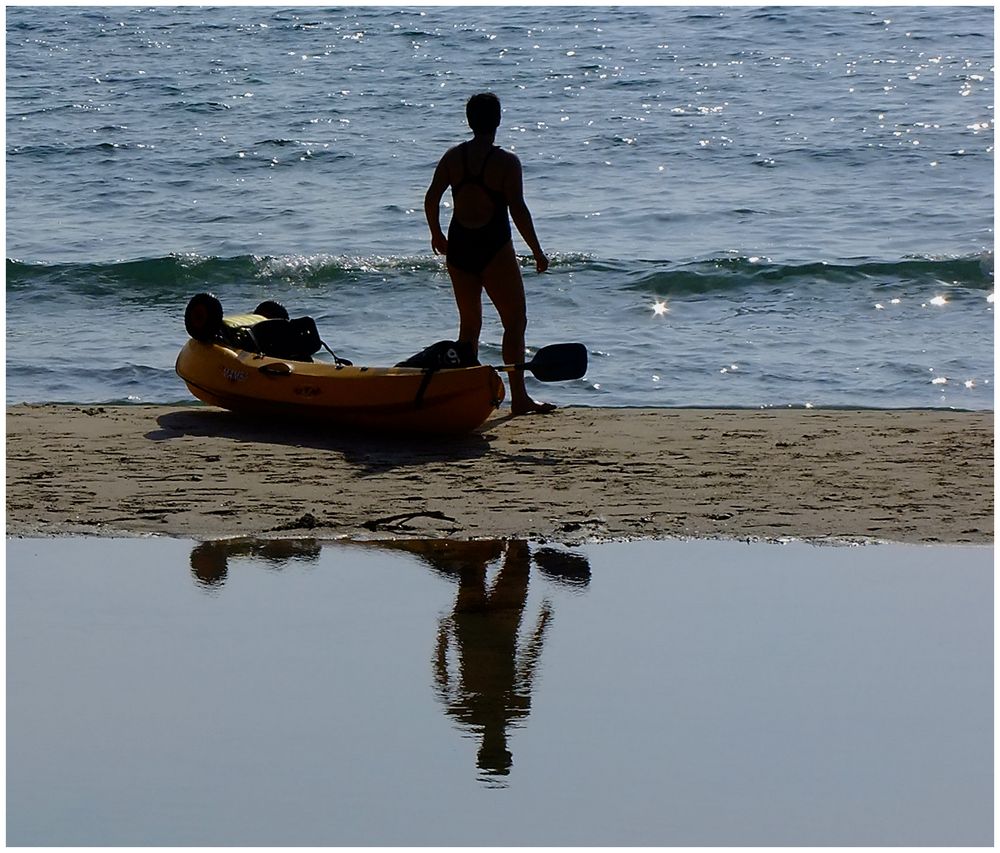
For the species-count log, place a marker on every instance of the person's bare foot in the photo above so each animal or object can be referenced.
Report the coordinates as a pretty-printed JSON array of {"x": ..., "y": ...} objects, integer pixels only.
[{"x": 532, "y": 407}]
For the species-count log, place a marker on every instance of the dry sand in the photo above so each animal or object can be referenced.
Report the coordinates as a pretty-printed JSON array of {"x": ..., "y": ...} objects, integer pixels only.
[{"x": 579, "y": 474}]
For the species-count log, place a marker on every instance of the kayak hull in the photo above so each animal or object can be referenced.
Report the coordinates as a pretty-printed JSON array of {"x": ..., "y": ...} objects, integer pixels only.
[{"x": 385, "y": 399}]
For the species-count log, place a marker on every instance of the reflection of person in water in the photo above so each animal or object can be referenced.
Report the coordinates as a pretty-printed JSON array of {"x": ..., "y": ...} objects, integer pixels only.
[
  {"x": 494, "y": 683},
  {"x": 483, "y": 671}
]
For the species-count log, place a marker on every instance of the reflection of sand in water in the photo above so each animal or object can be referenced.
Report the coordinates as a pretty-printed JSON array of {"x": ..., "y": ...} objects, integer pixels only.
[{"x": 483, "y": 669}]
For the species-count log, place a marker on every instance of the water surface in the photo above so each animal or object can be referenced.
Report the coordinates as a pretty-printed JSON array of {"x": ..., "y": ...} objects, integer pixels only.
[{"x": 166, "y": 692}]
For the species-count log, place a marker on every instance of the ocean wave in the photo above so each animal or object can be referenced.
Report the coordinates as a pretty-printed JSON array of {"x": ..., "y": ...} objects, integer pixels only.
[
  {"x": 179, "y": 275},
  {"x": 973, "y": 272},
  {"x": 42, "y": 152},
  {"x": 149, "y": 277},
  {"x": 179, "y": 271}
]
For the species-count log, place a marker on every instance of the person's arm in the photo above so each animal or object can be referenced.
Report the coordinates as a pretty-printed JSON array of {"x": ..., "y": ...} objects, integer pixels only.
[
  {"x": 519, "y": 213},
  {"x": 432, "y": 208}
]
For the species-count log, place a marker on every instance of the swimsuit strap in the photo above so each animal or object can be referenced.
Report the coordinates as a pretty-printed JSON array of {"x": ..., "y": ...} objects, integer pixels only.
[
  {"x": 468, "y": 177},
  {"x": 482, "y": 169}
]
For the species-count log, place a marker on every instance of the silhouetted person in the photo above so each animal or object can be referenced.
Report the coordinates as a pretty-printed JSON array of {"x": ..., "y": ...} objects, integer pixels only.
[{"x": 486, "y": 182}]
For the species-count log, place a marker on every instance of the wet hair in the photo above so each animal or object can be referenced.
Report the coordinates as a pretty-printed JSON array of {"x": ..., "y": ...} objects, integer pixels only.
[{"x": 483, "y": 112}]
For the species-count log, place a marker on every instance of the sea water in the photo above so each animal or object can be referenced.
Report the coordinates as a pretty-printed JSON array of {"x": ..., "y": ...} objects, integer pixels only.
[
  {"x": 743, "y": 206},
  {"x": 166, "y": 692}
]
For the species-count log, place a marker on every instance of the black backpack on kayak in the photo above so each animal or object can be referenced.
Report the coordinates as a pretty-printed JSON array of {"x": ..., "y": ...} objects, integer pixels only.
[
  {"x": 268, "y": 330},
  {"x": 297, "y": 339},
  {"x": 442, "y": 356}
]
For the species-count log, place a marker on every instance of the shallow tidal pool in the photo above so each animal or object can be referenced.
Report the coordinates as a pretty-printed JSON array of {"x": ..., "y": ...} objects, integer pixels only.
[{"x": 169, "y": 692}]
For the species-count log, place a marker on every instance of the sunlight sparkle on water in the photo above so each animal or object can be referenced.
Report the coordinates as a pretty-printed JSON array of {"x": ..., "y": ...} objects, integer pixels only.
[
  {"x": 939, "y": 300},
  {"x": 660, "y": 308}
]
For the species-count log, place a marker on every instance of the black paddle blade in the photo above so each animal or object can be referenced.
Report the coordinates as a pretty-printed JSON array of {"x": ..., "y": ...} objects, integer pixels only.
[{"x": 559, "y": 362}]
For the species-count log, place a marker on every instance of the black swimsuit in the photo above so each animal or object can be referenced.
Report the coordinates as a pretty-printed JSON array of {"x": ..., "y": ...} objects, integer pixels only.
[{"x": 472, "y": 249}]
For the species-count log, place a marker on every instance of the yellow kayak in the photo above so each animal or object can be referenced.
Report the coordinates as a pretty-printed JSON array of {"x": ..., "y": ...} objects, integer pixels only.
[
  {"x": 396, "y": 399},
  {"x": 261, "y": 363}
]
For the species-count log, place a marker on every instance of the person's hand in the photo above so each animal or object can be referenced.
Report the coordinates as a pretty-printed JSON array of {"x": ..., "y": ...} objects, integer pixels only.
[
  {"x": 541, "y": 262},
  {"x": 439, "y": 243}
]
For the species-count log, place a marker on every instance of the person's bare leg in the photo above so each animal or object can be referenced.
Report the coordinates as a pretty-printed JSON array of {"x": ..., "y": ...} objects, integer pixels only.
[
  {"x": 468, "y": 289},
  {"x": 503, "y": 284}
]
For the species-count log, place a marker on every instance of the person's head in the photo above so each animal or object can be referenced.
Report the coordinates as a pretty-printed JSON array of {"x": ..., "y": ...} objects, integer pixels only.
[{"x": 483, "y": 113}]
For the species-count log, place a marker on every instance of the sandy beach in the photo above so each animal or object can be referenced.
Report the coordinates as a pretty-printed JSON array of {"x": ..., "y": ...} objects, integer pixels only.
[{"x": 580, "y": 474}]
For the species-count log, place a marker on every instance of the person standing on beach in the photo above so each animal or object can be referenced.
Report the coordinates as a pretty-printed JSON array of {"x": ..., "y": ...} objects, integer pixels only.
[{"x": 486, "y": 182}]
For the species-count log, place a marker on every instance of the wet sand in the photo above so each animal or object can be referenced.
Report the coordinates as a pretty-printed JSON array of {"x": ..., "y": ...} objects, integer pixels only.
[{"x": 580, "y": 474}]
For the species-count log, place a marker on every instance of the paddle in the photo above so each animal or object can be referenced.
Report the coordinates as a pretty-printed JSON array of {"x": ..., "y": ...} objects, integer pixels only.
[{"x": 555, "y": 363}]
